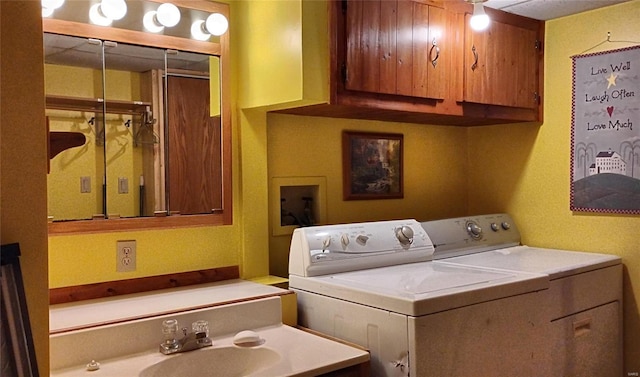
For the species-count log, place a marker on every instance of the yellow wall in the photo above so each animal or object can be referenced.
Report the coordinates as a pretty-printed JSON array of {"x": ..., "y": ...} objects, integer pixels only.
[
  {"x": 525, "y": 171},
  {"x": 520, "y": 169},
  {"x": 91, "y": 258},
  {"x": 23, "y": 158},
  {"x": 449, "y": 171},
  {"x": 435, "y": 171},
  {"x": 271, "y": 69}
]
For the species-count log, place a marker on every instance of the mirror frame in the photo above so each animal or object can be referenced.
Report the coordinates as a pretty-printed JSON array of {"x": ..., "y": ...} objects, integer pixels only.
[{"x": 221, "y": 49}]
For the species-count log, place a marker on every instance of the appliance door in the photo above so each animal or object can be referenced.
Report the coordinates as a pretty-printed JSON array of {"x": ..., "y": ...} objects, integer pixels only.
[
  {"x": 382, "y": 333},
  {"x": 588, "y": 343},
  {"x": 498, "y": 338}
]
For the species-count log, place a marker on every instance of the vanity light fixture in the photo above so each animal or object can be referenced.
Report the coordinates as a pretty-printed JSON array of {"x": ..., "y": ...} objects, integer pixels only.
[
  {"x": 48, "y": 6},
  {"x": 216, "y": 24},
  {"x": 479, "y": 20},
  {"x": 167, "y": 15},
  {"x": 107, "y": 11}
]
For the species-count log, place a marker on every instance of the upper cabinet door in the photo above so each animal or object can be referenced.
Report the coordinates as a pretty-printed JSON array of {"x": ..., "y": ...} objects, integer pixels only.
[
  {"x": 501, "y": 65},
  {"x": 396, "y": 47}
]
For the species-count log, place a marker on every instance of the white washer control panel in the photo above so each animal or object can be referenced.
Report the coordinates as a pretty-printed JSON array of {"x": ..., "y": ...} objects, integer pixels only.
[{"x": 321, "y": 250}]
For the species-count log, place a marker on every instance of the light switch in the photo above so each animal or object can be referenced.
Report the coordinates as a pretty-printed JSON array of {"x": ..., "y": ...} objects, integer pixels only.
[
  {"x": 85, "y": 184},
  {"x": 123, "y": 185}
]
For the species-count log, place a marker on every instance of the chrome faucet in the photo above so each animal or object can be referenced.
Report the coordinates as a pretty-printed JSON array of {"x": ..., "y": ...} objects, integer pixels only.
[{"x": 197, "y": 338}]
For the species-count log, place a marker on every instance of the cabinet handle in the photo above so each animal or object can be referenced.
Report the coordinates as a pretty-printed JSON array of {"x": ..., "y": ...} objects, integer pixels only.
[
  {"x": 435, "y": 47},
  {"x": 475, "y": 57},
  {"x": 581, "y": 327}
]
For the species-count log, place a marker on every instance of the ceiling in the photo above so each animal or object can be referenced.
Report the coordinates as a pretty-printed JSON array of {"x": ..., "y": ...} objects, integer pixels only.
[{"x": 548, "y": 9}]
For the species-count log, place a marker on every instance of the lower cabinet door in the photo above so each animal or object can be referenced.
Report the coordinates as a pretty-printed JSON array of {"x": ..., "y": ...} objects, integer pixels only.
[{"x": 588, "y": 343}]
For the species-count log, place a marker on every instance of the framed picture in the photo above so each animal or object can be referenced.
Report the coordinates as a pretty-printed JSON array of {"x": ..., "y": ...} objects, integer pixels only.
[
  {"x": 371, "y": 165},
  {"x": 605, "y": 146}
]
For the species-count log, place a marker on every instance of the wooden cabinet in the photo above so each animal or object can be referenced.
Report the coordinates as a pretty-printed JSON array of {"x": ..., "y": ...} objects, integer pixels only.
[
  {"x": 382, "y": 55},
  {"x": 501, "y": 64},
  {"x": 394, "y": 47}
]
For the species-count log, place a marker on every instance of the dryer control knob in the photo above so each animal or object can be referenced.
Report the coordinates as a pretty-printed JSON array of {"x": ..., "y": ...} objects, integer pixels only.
[
  {"x": 326, "y": 242},
  {"x": 405, "y": 235},
  {"x": 474, "y": 229},
  {"x": 494, "y": 227},
  {"x": 506, "y": 225},
  {"x": 362, "y": 239},
  {"x": 344, "y": 239}
]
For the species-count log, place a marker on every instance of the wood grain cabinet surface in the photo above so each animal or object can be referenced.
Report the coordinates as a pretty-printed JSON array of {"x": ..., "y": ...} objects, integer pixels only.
[
  {"x": 393, "y": 47},
  {"x": 501, "y": 64},
  {"x": 418, "y": 61}
]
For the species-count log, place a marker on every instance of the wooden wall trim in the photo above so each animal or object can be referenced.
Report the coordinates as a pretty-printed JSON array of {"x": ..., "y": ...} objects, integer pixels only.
[{"x": 137, "y": 285}]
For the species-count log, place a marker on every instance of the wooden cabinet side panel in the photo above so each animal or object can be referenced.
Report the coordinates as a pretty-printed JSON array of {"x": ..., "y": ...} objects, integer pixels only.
[{"x": 353, "y": 56}]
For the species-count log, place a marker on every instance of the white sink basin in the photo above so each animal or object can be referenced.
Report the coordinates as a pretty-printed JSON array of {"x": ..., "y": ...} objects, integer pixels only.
[{"x": 222, "y": 361}]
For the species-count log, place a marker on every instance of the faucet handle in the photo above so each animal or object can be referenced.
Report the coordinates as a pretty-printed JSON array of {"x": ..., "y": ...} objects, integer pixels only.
[
  {"x": 201, "y": 327},
  {"x": 170, "y": 343},
  {"x": 169, "y": 328}
]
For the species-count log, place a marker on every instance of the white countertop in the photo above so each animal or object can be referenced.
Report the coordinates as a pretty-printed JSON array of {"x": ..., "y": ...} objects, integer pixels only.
[
  {"x": 301, "y": 354},
  {"x": 83, "y": 314},
  {"x": 123, "y": 333}
]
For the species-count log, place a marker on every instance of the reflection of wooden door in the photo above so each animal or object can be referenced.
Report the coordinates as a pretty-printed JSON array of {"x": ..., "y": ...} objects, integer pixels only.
[{"x": 194, "y": 164}]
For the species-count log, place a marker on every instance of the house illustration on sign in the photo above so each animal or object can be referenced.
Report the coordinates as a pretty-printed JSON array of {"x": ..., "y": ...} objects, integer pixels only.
[{"x": 608, "y": 162}]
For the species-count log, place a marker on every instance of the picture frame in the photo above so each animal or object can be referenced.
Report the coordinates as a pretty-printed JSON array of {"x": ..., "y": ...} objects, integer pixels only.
[
  {"x": 605, "y": 148},
  {"x": 372, "y": 165}
]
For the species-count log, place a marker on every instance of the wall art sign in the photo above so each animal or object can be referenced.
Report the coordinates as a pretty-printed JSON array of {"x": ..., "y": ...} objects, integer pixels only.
[
  {"x": 605, "y": 132},
  {"x": 371, "y": 165}
]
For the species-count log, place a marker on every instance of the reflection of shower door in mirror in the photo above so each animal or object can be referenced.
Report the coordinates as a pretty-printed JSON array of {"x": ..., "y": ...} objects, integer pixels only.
[{"x": 194, "y": 152}]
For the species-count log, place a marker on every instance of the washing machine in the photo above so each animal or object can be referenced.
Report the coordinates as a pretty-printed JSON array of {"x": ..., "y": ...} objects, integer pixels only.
[
  {"x": 376, "y": 284},
  {"x": 582, "y": 307}
]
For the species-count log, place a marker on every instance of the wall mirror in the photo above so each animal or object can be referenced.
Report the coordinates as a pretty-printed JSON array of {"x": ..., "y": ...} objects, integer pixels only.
[{"x": 139, "y": 124}]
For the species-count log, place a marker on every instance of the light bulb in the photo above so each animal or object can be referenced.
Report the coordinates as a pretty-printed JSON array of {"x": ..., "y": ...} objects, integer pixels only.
[
  {"x": 113, "y": 9},
  {"x": 217, "y": 24},
  {"x": 168, "y": 15},
  {"x": 47, "y": 12},
  {"x": 96, "y": 16},
  {"x": 149, "y": 22},
  {"x": 52, "y": 4},
  {"x": 198, "y": 32},
  {"x": 479, "y": 21}
]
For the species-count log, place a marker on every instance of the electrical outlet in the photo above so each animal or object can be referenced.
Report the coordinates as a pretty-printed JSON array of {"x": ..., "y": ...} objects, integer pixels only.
[{"x": 126, "y": 256}]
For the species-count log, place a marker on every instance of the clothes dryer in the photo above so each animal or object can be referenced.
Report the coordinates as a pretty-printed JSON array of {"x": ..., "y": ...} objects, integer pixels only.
[{"x": 582, "y": 307}]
